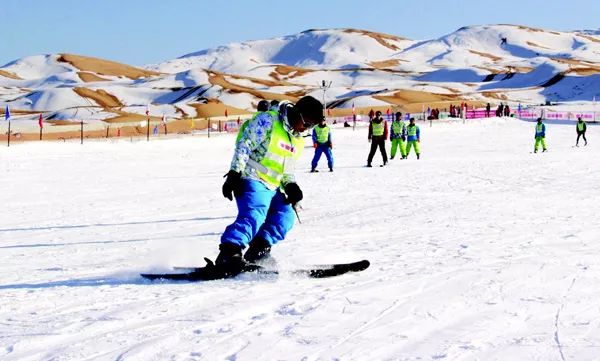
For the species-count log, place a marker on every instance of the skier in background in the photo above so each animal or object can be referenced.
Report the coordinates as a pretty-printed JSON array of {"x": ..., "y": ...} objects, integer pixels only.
[
  {"x": 378, "y": 133},
  {"x": 261, "y": 180},
  {"x": 321, "y": 138},
  {"x": 262, "y": 107},
  {"x": 540, "y": 136},
  {"x": 274, "y": 106},
  {"x": 488, "y": 107},
  {"x": 581, "y": 128},
  {"x": 398, "y": 136},
  {"x": 414, "y": 138}
]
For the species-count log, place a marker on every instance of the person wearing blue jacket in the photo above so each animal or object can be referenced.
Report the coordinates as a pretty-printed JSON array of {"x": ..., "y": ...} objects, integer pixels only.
[
  {"x": 321, "y": 138},
  {"x": 413, "y": 138},
  {"x": 261, "y": 181},
  {"x": 540, "y": 136}
]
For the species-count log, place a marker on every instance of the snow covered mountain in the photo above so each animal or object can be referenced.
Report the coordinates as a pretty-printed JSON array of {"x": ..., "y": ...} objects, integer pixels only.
[{"x": 488, "y": 63}]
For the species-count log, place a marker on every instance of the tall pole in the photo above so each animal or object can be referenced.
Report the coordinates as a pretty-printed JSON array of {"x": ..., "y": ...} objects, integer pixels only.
[
  {"x": 81, "y": 136},
  {"x": 324, "y": 86},
  {"x": 8, "y": 132},
  {"x": 148, "y": 129}
]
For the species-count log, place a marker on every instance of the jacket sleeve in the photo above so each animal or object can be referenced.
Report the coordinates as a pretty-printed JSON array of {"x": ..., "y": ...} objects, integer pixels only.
[
  {"x": 370, "y": 130},
  {"x": 329, "y": 136},
  {"x": 314, "y": 136},
  {"x": 254, "y": 134},
  {"x": 418, "y": 133}
]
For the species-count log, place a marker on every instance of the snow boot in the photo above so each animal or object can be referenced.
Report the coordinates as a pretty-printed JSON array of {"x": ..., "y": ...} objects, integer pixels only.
[
  {"x": 259, "y": 252},
  {"x": 369, "y": 165},
  {"x": 331, "y": 169},
  {"x": 230, "y": 260},
  {"x": 314, "y": 170},
  {"x": 418, "y": 155}
]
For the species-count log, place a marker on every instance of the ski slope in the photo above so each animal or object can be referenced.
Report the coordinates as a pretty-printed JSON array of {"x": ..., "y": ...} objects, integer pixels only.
[{"x": 481, "y": 250}]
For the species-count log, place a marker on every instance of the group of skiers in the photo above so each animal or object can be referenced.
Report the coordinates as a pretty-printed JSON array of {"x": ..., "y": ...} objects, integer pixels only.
[
  {"x": 261, "y": 176},
  {"x": 540, "y": 134},
  {"x": 403, "y": 137}
]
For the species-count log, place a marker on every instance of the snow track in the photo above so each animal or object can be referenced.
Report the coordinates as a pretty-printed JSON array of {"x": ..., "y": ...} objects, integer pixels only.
[{"x": 479, "y": 250}]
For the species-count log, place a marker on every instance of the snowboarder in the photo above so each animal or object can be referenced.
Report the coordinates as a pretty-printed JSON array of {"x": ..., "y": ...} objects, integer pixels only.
[
  {"x": 378, "y": 133},
  {"x": 398, "y": 136},
  {"x": 581, "y": 128},
  {"x": 414, "y": 138},
  {"x": 261, "y": 180},
  {"x": 321, "y": 138},
  {"x": 540, "y": 136}
]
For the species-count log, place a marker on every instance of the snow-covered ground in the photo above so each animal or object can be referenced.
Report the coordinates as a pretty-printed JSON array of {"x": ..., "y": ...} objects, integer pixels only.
[{"x": 481, "y": 250}]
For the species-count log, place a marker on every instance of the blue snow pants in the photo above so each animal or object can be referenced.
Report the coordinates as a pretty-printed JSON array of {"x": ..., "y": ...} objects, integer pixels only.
[
  {"x": 261, "y": 212},
  {"x": 319, "y": 150}
]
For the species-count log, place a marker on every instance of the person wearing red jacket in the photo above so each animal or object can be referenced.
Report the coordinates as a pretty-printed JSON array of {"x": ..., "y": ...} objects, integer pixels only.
[{"x": 378, "y": 134}]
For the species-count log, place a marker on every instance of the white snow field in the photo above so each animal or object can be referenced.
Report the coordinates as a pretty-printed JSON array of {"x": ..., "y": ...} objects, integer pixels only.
[{"x": 481, "y": 250}]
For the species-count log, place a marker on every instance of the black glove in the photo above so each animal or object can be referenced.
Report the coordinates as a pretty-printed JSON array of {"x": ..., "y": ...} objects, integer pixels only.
[
  {"x": 232, "y": 184},
  {"x": 293, "y": 193},
  {"x": 403, "y": 138}
]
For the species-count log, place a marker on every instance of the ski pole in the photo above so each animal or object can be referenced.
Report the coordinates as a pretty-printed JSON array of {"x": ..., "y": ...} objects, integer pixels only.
[{"x": 296, "y": 211}]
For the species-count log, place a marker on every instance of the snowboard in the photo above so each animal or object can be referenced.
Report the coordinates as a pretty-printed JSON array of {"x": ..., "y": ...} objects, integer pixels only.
[{"x": 211, "y": 272}]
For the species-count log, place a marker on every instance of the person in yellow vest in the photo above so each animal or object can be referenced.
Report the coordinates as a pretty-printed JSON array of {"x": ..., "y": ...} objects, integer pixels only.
[
  {"x": 413, "y": 138},
  {"x": 378, "y": 133},
  {"x": 581, "y": 128},
  {"x": 321, "y": 138},
  {"x": 262, "y": 182},
  {"x": 398, "y": 136},
  {"x": 540, "y": 136}
]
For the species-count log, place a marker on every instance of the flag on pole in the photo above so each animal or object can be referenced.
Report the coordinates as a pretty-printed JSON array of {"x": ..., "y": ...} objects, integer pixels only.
[
  {"x": 7, "y": 113},
  {"x": 225, "y": 112},
  {"x": 41, "y": 121},
  {"x": 147, "y": 110},
  {"x": 164, "y": 120}
]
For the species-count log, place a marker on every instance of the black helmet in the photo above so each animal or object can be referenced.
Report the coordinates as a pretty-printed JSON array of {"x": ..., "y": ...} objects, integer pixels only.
[
  {"x": 310, "y": 110},
  {"x": 378, "y": 113},
  {"x": 398, "y": 114},
  {"x": 274, "y": 103},
  {"x": 262, "y": 106}
]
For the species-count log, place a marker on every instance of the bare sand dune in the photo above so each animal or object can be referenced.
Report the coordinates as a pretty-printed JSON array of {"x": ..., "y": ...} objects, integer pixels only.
[
  {"x": 589, "y": 37},
  {"x": 215, "y": 108},
  {"x": 413, "y": 101},
  {"x": 216, "y": 78},
  {"x": 100, "y": 96},
  {"x": 486, "y": 55},
  {"x": 8, "y": 74},
  {"x": 386, "y": 63},
  {"x": 288, "y": 71},
  {"x": 90, "y": 77},
  {"x": 105, "y": 67},
  {"x": 381, "y": 38}
]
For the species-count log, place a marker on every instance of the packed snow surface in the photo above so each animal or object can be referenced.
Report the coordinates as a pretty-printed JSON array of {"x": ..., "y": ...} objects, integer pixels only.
[{"x": 481, "y": 250}]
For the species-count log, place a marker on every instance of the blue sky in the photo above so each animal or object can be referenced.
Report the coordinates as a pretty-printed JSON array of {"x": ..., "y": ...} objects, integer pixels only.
[{"x": 141, "y": 32}]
